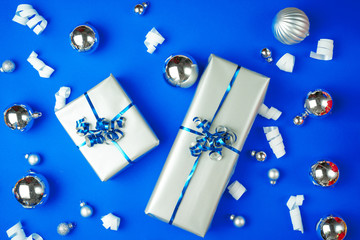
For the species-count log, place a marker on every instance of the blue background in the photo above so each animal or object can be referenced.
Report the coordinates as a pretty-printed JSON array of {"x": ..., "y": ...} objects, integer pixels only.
[{"x": 234, "y": 30}]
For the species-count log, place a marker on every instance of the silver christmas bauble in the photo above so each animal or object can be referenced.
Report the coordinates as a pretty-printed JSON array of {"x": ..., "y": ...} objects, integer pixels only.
[
  {"x": 31, "y": 190},
  {"x": 63, "y": 229},
  {"x": 238, "y": 221},
  {"x": 273, "y": 175},
  {"x": 85, "y": 210},
  {"x": 324, "y": 173},
  {"x": 33, "y": 158},
  {"x": 181, "y": 70},
  {"x": 140, "y": 8},
  {"x": 260, "y": 156},
  {"x": 20, "y": 117},
  {"x": 7, "y": 66},
  {"x": 266, "y": 54},
  {"x": 331, "y": 228},
  {"x": 84, "y": 38},
  {"x": 318, "y": 103},
  {"x": 291, "y": 26}
]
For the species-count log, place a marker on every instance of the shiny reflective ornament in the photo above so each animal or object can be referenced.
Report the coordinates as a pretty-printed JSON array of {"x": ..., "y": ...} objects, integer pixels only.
[
  {"x": 266, "y": 54},
  {"x": 140, "y": 8},
  {"x": 181, "y": 71},
  {"x": 63, "y": 229},
  {"x": 84, "y": 38},
  {"x": 260, "y": 156},
  {"x": 318, "y": 103},
  {"x": 20, "y": 117},
  {"x": 7, "y": 66},
  {"x": 324, "y": 173},
  {"x": 273, "y": 175},
  {"x": 331, "y": 228},
  {"x": 238, "y": 221},
  {"x": 291, "y": 26},
  {"x": 33, "y": 158},
  {"x": 31, "y": 190},
  {"x": 85, "y": 210}
]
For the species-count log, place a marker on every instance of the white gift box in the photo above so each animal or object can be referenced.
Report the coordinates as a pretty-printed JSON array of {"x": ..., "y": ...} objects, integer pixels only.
[{"x": 108, "y": 100}]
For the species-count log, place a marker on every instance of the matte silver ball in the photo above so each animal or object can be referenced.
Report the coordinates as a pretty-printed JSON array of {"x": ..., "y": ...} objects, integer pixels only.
[
  {"x": 331, "y": 228},
  {"x": 273, "y": 175},
  {"x": 291, "y": 26},
  {"x": 7, "y": 66},
  {"x": 84, "y": 38},
  {"x": 20, "y": 117},
  {"x": 318, "y": 103},
  {"x": 85, "y": 210},
  {"x": 63, "y": 229},
  {"x": 31, "y": 190},
  {"x": 33, "y": 158},
  {"x": 298, "y": 120},
  {"x": 181, "y": 71},
  {"x": 324, "y": 173},
  {"x": 238, "y": 221}
]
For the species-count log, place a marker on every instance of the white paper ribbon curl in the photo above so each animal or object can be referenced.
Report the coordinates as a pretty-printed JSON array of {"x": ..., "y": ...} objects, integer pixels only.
[
  {"x": 275, "y": 140},
  {"x": 236, "y": 190},
  {"x": 60, "y": 98},
  {"x": 293, "y": 204},
  {"x": 153, "y": 38},
  {"x": 27, "y": 15},
  {"x": 324, "y": 50},
  {"x": 286, "y": 63},
  {"x": 17, "y": 233},
  {"x": 44, "y": 70},
  {"x": 111, "y": 221},
  {"x": 269, "y": 113}
]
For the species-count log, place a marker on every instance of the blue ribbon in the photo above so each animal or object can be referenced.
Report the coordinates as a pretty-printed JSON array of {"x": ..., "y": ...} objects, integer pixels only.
[
  {"x": 207, "y": 142},
  {"x": 105, "y": 131}
]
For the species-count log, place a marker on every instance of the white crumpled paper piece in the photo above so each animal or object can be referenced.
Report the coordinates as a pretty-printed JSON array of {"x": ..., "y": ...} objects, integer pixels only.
[
  {"x": 286, "y": 63},
  {"x": 17, "y": 233},
  {"x": 111, "y": 221},
  {"x": 27, "y": 15},
  {"x": 153, "y": 38},
  {"x": 60, "y": 97},
  {"x": 44, "y": 70},
  {"x": 275, "y": 140},
  {"x": 236, "y": 190},
  {"x": 293, "y": 204},
  {"x": 324, "y": 50},
  {"x": 269, "y": 113}
]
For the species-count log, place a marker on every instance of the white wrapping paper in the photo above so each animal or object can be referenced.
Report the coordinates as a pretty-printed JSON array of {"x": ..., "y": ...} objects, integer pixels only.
[
  {"x": 109, "y": 99},
  {"x": 210, "y": 178}
]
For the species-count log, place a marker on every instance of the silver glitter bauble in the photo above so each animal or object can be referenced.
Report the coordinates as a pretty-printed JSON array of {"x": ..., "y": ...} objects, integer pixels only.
[
  {"x": 84, "y": 38},
  {"x": 324, "y": 173},
  {"x": 140, "y": 8},
  {"x": 63, "y": 229},
  {"x": 85, "y": 210},
  {"x": 7, "y": 66},
  {"x": 260, "y": 156},
  {"x": 318, "y": 103},
  {"x": 33, "y": 158},
  {"x": 266, "y": 54},
  {"x": 291, "y": 26},
  {"x": 273, "y": 175},
  {"x": 31, "y": 190},
  {"x": 181, "y": 71},
  {"x": 238, "y": 221},
  {"x": 20, "y": 117},
  {"x": 331, "y": 228}
]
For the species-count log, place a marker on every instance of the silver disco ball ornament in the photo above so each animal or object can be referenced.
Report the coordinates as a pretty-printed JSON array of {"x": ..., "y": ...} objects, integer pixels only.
[
  {"x": 324, "y": 173},
  {"x": 318, "y": 103},
  {"x": 84, "y": 38},
  {"x": 31, "y": 190},
  {"x": 20, "y": 117},
  {"x": 291, "y": 26},
  {"x": 7, "y": 66},
  {"x": 331, "y": 228},
  {"x": 181, "y": 70}
]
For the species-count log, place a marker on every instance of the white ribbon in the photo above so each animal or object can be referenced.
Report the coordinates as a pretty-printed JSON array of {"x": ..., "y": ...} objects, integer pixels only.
[
  {"x": 44, "y": 70},
  {"x": 236, "y": 190},
  {"x": 111, "y": 221},
  {"x": 269, "y": 113},
  {"x": 324, "y": 50},
  {"x": 275, "y": 141},
  {"x": 61, "y": 96},
  {"x": 17, "y": 233},
  {"x": 153, "y": 38},
  {"x": 27, "y": 15},
  {"x": 293, "y": 204},
  {"x": 286, "y": 63}
]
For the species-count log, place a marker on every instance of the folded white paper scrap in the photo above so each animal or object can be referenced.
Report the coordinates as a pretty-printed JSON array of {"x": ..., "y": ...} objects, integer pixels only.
[
  {"x": 269, "y": 113},
  {"x": 111, "y": 221},
  {"x": 44, "y": 70},
  {"x": 275, "y": 140},
  {"x": 236, "y": 190},
  {"x": 60, "y": 97},
  {"x": 324, "y": 50},
  {"x": 293, "y": 204},
  {"x": 286, "y": 63},
  {"x": 153, "y": 38},
  {"x": 27, "y": 15},
  {"x": 17, "y": 233}
]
